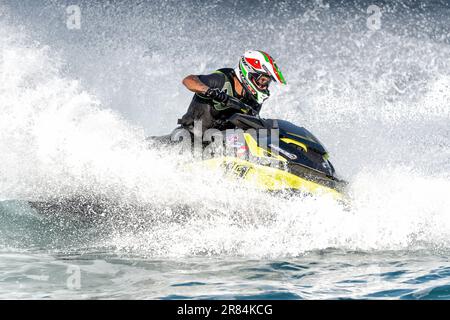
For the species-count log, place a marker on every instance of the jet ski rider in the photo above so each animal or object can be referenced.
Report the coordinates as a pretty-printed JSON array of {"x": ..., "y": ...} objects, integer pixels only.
[{"x": 249, "y": 83}]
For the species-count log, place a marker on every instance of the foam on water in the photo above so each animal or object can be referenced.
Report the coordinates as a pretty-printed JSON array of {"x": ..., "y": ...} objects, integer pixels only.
[{"x": 383, "y": 115}]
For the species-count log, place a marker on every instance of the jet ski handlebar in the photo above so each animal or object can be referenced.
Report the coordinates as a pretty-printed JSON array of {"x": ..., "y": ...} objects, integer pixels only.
[{"x": 236, "y": 104}]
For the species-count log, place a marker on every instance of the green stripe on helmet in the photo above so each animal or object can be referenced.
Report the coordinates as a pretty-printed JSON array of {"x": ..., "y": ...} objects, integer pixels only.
[
  {"x": 283, "y": 81},
  {"x": 244, "y": 72},
  {"x": 265, "y": 56}
]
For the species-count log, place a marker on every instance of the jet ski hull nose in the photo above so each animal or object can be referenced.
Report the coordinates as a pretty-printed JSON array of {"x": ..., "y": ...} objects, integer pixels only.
[{"x": 274, "y": 179}]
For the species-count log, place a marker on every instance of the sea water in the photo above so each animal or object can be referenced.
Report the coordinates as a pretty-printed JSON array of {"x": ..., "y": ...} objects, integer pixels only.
[{"x": 89, "y": 211}]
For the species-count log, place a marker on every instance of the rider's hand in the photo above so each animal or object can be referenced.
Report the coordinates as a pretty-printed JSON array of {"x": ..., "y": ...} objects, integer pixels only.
[{"x": 217, "y": 95}]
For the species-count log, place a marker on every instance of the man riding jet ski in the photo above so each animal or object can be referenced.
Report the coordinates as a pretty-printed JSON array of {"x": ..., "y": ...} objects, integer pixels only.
[
  {"x": 273, "y": 154},
  {"x": 249, "y": 83}
]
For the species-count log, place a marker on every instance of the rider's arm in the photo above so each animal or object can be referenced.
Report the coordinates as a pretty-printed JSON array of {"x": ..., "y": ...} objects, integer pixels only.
[{"x": 193, "y": 83}]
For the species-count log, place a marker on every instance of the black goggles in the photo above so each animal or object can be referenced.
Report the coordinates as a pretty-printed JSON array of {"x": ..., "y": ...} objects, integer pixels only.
[{"x": 261, "y": 80}]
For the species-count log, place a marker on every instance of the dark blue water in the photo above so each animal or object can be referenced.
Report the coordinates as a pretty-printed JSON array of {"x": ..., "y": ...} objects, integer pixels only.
[{"x": 330, "y": 274}]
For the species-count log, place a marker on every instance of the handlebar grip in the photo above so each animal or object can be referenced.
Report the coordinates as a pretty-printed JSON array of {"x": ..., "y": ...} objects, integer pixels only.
[{"x": 239, "y": 105}]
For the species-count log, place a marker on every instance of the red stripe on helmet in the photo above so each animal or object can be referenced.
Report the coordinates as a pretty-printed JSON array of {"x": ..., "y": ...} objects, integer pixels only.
[
  {"x": 272, "y": 64},
  {"x": 254, "y": 63}
]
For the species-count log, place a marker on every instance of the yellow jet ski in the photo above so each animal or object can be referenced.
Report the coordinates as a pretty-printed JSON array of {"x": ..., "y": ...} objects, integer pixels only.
[{"x": 271, "y": 154}]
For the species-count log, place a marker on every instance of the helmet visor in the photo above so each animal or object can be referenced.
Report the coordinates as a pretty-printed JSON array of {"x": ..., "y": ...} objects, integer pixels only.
[{"x": 261, "y": 80}]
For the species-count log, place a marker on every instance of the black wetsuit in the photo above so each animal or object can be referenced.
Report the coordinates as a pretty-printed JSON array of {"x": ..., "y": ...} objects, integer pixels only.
[{"x": 213, "y": 113}]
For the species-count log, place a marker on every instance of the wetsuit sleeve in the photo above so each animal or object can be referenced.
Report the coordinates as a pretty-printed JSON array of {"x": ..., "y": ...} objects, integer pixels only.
[{"x": 213, "y": 80}]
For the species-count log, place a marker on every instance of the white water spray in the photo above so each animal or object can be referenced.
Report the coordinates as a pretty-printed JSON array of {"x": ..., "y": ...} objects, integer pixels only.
[{"x": 59, "y": 138}]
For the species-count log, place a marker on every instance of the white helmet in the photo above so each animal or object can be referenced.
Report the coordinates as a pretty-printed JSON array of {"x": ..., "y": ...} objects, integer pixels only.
[{"x": 255, "y": 71}]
